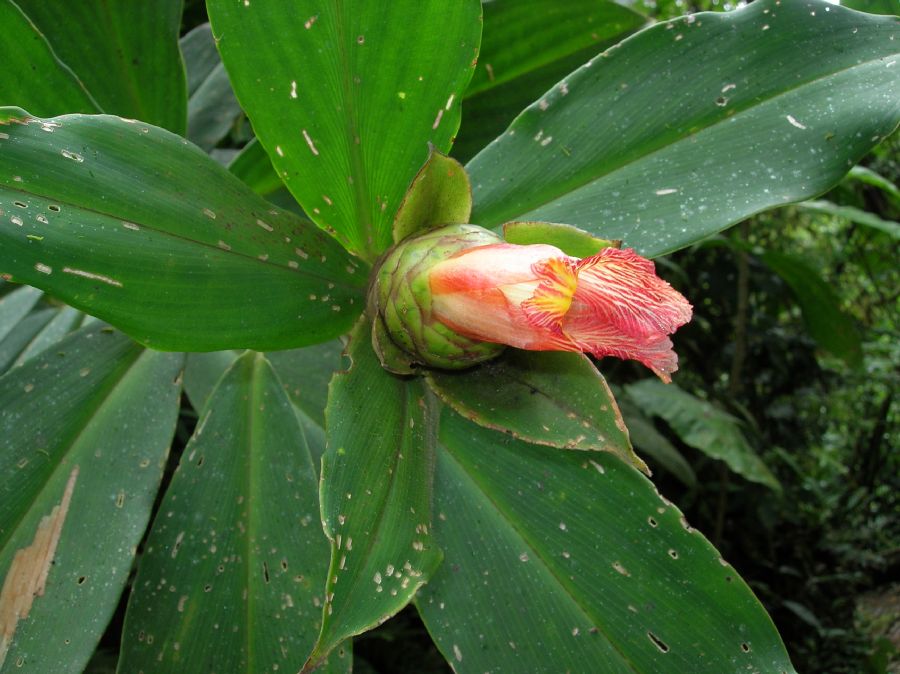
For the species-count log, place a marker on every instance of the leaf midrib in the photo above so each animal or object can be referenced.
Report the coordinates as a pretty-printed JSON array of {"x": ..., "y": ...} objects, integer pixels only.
[{"x": 368, "y": 244}]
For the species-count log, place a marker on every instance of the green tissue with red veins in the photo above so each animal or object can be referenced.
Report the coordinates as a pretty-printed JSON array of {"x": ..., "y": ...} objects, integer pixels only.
[{"x": 453, "y": 297}]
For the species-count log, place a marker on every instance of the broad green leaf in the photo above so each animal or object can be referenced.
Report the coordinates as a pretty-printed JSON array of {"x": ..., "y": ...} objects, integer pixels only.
[
  {"x": 125, "y": 53},
  {"x": 348, "y": 98},
  {"x": 546, "y": 397},
  {"x": 654, "y": 444},
  {"x": 853, "y": 214},
  {"x": 232, "y": 576},
  {"x": 253, "y": 166},
  {"x": 527, "y": 47},
  {"x": 210, "y": 264},
  {"x": 14, "y": 306},
  {"x": 648, "y": 144},
  {"x": 84, "y": 434},
  {"x": 376, "y": 494},
  {"x": 35, "y": 77},
  {"x": 585, "y": 566},
  {"x": 211, "y": 108},
  {"x": 440, "y": 194},
  {"x": 570, "y": 240},
  {"x": 833, "y": 330},
  {"x": 701, "y": 425}
]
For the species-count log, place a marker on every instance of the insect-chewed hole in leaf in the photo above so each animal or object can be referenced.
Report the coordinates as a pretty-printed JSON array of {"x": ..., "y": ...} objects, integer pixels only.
[
  {"x": 673, "y": 553},
  {"x": 659, "y": 643},
  {"x": 652, "y": 522},
  {"x": 745, "y": 647}
]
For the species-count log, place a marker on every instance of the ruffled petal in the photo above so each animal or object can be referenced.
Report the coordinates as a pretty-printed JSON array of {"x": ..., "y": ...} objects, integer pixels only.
[{"x": 622, "y": 309}]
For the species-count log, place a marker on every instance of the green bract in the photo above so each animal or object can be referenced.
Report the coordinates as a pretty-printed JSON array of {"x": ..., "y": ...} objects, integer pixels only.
[{"x": 404, "y": 334}]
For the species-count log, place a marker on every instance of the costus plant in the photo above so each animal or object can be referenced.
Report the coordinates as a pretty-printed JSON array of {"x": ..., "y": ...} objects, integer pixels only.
[{"x": 394, "y": 358}]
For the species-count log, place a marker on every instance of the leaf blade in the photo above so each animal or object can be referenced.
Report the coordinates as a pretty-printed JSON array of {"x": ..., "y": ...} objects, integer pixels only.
[
  {"x": 243, "y": 532},
  {"x": 194, "y": 263},
  {"x": 580, "y": 555},
  {"x": 382, "y": 548},
  {"x": 97, "y": 406},
  {"x": 350, "y": 175},
  {"x": 663, "y": 176}
]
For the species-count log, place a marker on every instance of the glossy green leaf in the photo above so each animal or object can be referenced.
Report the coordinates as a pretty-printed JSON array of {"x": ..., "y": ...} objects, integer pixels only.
[
  {"x": 212, "y": 108},
  {"x": 376, "y": 494},
  {"x": 84, "y": 434},
  {"x": 833, "y": 330},
  {"x": 701, "y": 425},
  {"x": 546, "y": 397},
  {"x": 527, "y": 47},
  {"x": 125, "y": 53},
  {"x": 210, "y": 264},
  {"x": 348, "y": 98},
  {"x": 232, "y": 576},
  {"x": 853, "y": 214},
  {"x": 593, "y": 570},
  {"x": 570, "y": 240},
  {"x": 440, "y": 194},
  {"x": 50, "y": 87},
  {"x": 691, "y": 125},
  {"x": 15, "y": 306},
  {"x": 653, "y": 444}
]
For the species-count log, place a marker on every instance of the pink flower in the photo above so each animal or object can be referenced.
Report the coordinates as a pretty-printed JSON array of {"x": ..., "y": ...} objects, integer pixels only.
[{"x": 536, "y": 297}]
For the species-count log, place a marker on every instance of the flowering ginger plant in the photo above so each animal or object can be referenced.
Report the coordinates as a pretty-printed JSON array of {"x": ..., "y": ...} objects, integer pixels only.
[{"x": 451, "y": 297}]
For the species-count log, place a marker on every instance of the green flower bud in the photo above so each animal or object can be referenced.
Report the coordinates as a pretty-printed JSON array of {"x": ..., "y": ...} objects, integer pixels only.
[{"x": 404, "y": 332}]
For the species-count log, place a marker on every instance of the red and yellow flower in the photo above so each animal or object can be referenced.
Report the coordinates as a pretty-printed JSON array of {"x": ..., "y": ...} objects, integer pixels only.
[{"x": 536, "y": 297}]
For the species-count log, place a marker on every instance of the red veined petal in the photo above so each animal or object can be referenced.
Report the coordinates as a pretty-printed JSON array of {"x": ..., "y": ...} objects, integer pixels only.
[{"x": 622, "y": 309}]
